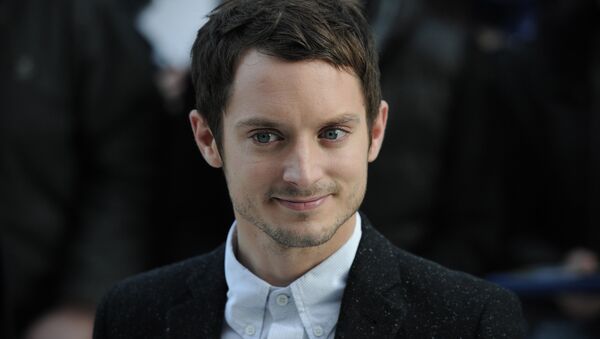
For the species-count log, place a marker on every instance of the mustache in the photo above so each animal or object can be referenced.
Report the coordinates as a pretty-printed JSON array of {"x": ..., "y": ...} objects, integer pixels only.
[{"x": 290, "y": 191}]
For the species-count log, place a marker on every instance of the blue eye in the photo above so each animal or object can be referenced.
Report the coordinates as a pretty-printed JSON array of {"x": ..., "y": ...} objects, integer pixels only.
[
  {"x": 332, "y": 134},
  {"x": 265, "y": 137}
]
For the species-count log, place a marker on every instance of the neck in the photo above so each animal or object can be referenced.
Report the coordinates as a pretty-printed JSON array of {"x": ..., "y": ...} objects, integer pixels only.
[{"x": 279, "y": 265}]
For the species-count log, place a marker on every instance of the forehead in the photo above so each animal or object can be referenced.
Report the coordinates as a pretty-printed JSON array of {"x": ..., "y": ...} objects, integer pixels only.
[{"x": 267, "y": 86}]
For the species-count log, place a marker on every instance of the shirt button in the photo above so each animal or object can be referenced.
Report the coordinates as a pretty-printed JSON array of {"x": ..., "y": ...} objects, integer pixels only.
[
  {"x": 250, "y": 330},
  {"x": 318, "y": 331},
  {"x": 282, "y": 300}
]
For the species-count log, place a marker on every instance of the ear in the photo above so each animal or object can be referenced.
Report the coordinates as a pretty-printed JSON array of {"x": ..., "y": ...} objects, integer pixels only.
[
  {"x": 205, "y": 140},
  {"x": 378, "y": 131}
]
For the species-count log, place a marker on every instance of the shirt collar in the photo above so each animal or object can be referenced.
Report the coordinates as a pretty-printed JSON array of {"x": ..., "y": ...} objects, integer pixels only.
[{"x": 317, "y": 294}]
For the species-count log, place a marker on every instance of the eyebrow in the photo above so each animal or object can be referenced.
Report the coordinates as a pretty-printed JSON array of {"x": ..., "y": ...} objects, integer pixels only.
[
  {"x": 267, "y": 123},
  {"x": 343, "y": 119},
  {"x": 256, "y": 122}
]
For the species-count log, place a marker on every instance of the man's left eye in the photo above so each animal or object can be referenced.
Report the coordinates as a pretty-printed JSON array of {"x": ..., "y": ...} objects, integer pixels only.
[
  {"x": 265, "y": 137},
  {"x": 332, "y": 134}
]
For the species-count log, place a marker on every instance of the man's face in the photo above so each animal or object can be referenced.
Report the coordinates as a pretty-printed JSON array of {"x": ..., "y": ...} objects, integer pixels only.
[{"x": 296, "y": 148}]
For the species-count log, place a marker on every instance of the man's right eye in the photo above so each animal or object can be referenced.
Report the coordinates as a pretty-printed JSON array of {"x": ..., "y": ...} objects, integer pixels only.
[{"x": 265, "y": 137}]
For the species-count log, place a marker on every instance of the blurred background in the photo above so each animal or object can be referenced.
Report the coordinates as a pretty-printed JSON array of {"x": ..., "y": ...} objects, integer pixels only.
[{"x": 491, "y": 162}]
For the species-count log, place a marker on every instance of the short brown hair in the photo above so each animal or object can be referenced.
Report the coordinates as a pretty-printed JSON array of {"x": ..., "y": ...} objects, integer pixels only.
[{"x": 334, "y": 31}]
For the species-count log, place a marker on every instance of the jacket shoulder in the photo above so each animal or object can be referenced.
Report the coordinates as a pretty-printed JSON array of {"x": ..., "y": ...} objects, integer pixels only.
[
  {"x": 454, "y": 300},
  {"x": 168, "y": 278},
  {"x": 430, "y": 300},
  {"x": 137, "y": 307}
]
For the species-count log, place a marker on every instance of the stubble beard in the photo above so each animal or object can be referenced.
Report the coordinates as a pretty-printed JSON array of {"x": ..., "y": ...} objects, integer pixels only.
[{"x": 286, "y": 237}]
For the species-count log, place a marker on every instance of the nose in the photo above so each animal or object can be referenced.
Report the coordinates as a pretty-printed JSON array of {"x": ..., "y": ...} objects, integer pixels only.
[{"x": 302, "y": 165}]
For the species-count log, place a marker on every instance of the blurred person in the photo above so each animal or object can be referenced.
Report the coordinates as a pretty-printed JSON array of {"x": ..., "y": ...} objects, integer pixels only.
[
  {"x": 289, "y": 106},
  {"x": 80, "y": 157},
  {"x": 453, "y": 81},
  {"x": 424, "y": 47},
  {"x": 525, "y": 158},
  {"x": 547, "y": 112},
  {"x": 500, "y": 152},
  {"x": 448, "y": 208},
  {"x": 547, "y": 104},
  {"x": 170, "y": 27}
]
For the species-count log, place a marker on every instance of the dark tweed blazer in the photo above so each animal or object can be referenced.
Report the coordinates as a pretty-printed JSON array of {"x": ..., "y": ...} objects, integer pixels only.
[{"x": 390, "y": 294}]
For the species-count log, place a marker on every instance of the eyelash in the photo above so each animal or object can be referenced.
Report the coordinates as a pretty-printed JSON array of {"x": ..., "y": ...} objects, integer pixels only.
[
  {"x": 338, "y": 129},
  {"x": 272, "y": 135},
  {"x": 277, "y": 137}
]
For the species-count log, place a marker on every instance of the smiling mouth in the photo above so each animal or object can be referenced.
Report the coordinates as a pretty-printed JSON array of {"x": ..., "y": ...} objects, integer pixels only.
[{"x": 302, "y": 204}]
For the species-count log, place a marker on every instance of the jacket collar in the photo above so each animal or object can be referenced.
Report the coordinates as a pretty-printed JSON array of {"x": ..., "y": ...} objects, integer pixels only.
[
  {"x": 202, "y": 314},
  {"x": 374, "y": 302},
  {"x": 373, "y": 305},
  {"x": 317, "y": 294}
]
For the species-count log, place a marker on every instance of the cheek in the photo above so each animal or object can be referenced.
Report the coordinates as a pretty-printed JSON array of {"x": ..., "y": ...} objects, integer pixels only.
[
  {"x": 343, "y": 168},
  {"x": 246, "y": 177},
  {"x": 349, "y": 163}
]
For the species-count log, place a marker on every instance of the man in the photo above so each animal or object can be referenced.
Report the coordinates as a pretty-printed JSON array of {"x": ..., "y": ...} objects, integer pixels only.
[
  {"x": 78, "y": 171},
  {"x": 289, "y": 106}
]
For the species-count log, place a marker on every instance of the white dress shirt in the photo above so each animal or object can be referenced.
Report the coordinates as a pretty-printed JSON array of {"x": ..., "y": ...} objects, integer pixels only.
[{"x": 308, "y": 308}]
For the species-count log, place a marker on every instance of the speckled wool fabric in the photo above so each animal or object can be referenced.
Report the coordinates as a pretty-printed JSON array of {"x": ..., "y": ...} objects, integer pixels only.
[{"x": 390, "y": 294}]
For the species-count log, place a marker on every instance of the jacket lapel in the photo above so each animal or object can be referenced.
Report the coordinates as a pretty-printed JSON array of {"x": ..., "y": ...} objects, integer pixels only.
[
  {"x": 201, "y": 314},
  {"x": 374, "y": 304}
]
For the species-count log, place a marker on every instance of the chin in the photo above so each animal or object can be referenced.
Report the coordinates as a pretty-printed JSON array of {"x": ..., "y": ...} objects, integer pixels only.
[
  {"x": 309, "y": 232},
  {"x": 300, "y": 239}
]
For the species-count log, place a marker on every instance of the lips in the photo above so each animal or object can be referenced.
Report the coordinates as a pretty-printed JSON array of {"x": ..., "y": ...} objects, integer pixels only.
[{"x": 302, "y": 204}]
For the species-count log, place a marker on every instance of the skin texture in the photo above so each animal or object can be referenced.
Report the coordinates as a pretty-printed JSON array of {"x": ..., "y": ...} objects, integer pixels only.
[{"x": 295, "y": 155}]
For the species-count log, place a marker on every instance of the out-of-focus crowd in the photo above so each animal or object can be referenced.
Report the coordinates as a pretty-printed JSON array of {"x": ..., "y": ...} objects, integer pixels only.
[{"x": 491, "y": 161}]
